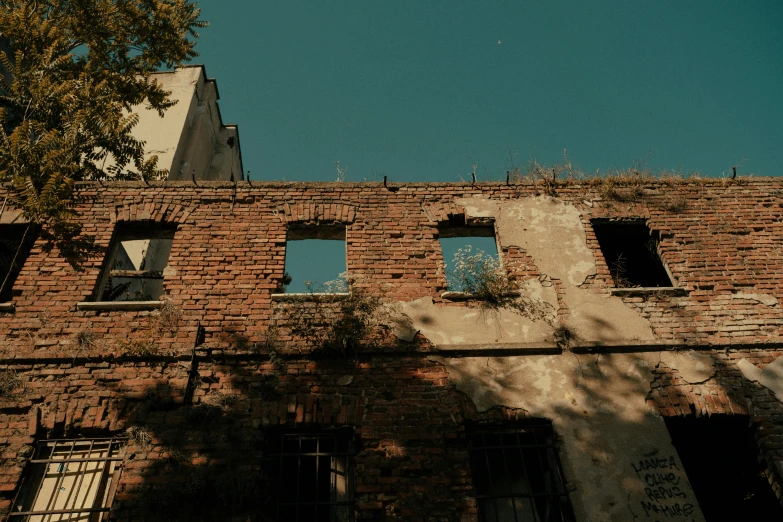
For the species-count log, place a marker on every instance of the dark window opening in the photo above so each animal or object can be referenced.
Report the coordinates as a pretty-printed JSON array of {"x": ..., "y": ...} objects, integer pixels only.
[
  {"x": 470, "y": 256},
  {"x": 313, "y": 476},
  {"x": 721, "y": 460},
  {"x": 137, "y": 259},
  {"x": 70, "y": 480},
  {"x": 517, "y": 474},
  {"x": 315, "y": 260},
  {"x": 631, "y": 252},
  {"x": 16, "y": 241}
]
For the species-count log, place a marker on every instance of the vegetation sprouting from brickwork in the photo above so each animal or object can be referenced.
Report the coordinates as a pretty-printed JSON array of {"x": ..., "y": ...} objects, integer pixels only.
[
  {"x": 339, "y": 317},
  {"x": 159, "y": 322},
  {"x": 10, "y": 383},
  {"x": 482, "y": 277}
]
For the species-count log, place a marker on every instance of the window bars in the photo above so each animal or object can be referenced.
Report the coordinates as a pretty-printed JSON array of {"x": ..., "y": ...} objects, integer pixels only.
[
  {"x": 315, "y": 477},
  {"x": 517, "y": 474},
  {"x": 70, "y": 480}
]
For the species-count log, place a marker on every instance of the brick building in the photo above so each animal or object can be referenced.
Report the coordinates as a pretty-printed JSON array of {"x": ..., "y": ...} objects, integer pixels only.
[{"x": 155, "y": 370}]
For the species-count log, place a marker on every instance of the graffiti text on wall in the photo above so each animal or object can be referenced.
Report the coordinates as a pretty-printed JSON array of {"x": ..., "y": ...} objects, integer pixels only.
[{"x": 663, "y": 496}]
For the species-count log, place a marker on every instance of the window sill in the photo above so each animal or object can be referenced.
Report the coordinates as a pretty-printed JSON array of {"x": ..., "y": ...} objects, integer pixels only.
[
  {"x": 464, "y": 296},
  {"x": 7, "y": 308},
  {"x": 119, "y": 306},
  {"x": 650, "y": 290},
  {"x": 315, "y": 296}
]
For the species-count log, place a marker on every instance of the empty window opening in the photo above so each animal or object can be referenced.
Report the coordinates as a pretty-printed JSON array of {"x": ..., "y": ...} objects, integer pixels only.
[
  {"x": 315, "y": 259},
  {"x": 16, "y": 241},
  {"x": 631, "y": 252},
  {"x": 721, "y": 460},
  {"x": 517, "y": 474},
  {"x": 138, "y": 257},
  {"x": 70, "y": 480},
  {"x": 314, "y": 477},
  {"x": 470, "y": 254}
]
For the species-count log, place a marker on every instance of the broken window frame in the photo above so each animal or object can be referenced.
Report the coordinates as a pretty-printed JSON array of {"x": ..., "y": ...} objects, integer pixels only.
[
  {"x": 344, "y": 447},
  {"x": 633, "y": 287},
  {"x": 309, "y": 232},
  {"x": 38, "y": 470},
  {"x": 22, "y": 239},
  {"x": 544, "y": 446},
  {"x": 131, "y": 231}
]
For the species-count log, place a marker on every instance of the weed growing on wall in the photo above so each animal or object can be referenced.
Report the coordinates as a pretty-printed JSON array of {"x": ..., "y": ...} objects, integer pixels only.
[
  {"x": 10, "y": 383},
  {"x": 160, "y": 321},
  {"x": 477, "y": 273},
  {"x": 480, "y": 275},
  {"x": 623, "y": 189},
  {"x": 564, "y": 335},
  {"x": 139, "y": 436},
  {"x": 330, "y": 320}
]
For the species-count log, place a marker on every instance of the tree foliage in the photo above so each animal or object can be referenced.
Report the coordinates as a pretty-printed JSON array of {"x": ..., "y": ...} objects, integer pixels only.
[{"x": 72, "y": 72}]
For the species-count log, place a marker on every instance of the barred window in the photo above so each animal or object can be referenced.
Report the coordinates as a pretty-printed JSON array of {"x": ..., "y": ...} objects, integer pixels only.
[
  {"x": 314, "y": 477},
  {"x": 517, "y": 474},
  {"x": 70, "y": 480}
]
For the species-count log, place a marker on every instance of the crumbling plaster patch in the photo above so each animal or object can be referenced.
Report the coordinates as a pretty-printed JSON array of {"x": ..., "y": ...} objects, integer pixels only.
[
  {"x": 551, "y": 232},
  {"x": 457, "y": 325},
  {"x": 766, "y": 299},
  {"x": 692, "y": 367},
  {"x": 597, "y": 404},
  {"x": 771, "y": 376}
]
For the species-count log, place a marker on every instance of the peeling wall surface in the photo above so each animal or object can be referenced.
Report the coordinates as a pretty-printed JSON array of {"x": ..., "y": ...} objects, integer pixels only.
[
  {"x": 616, "y": 450},
  {"x": 553, "y": 234},
  {"x": 205, "y": 380}
]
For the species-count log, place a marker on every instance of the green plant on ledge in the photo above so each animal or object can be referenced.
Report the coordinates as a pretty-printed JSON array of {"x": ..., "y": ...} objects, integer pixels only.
[
  {"x": 340, "y": 325},
  {"x": 480, "y": 275}
]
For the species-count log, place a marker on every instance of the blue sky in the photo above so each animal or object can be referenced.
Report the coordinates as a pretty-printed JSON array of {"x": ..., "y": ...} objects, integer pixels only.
[{"x": 422, "y": 90}]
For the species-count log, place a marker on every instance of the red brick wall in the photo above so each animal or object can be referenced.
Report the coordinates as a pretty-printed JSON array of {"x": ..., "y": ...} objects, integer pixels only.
[{"x": 227, "y": 259}]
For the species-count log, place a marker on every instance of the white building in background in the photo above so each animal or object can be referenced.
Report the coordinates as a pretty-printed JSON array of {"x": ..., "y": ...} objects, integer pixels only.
[{"x": 191, "y": 140}]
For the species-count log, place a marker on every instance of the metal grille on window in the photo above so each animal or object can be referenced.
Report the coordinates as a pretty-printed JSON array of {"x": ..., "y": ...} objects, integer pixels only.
[
  {"x": 517, "y": 474},
  {"x": 315, "y": 477},
  {"x": 70, "y": 480}
]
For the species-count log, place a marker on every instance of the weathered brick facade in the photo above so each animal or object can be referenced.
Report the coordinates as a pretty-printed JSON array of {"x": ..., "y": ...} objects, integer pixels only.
[{"x": 223, "y": 369}]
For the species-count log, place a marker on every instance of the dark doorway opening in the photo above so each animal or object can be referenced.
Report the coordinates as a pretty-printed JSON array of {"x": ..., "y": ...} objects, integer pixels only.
[
  {"x": 720, "y": 457},
  {"x": 631, "y": 252}
]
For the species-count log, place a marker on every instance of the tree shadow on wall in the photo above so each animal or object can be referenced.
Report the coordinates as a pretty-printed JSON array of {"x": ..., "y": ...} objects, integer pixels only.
[
  {"x": 75, "y": 247},
  {"x": 605, "y": 412},
  {"x": 195, "y": 461}
]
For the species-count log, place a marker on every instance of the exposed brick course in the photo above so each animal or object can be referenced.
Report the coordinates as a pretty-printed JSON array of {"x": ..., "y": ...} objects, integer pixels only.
[{"x": 83, "y": 373}]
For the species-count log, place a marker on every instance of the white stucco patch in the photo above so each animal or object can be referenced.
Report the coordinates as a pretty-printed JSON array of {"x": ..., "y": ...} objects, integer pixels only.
[
  {"x": 771, "y": 376},
  {"x": 552, "y": 233},
  {"x": 766, "y": 299},
  {"x": 602, "y": 318},
  {"x": 693, "y": 367},
  {"x": 457, "y": 325},
  {"x": 598, "y": 407}
]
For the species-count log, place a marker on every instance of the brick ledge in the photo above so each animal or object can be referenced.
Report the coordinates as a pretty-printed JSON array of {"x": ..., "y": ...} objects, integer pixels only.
[
  {"x": 113, "y": 306},
  {"x": 648, "y": 290},
  {"x": 315, "y": 296}
]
